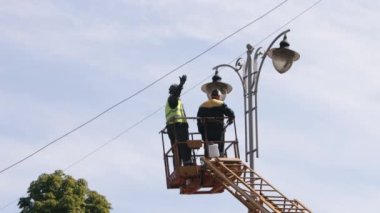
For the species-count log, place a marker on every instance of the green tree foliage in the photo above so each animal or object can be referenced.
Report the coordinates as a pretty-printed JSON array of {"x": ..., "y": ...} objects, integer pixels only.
[{"x": 61, "y": 193}]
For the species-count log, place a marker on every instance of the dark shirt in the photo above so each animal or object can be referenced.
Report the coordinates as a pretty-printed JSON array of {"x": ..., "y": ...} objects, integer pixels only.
[
  {"x": 173, "y": 98},
  {"x": 213, "y": 127}
]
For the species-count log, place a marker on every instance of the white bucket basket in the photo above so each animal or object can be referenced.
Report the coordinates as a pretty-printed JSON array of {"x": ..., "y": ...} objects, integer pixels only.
[{"x": 213, "y": 150}]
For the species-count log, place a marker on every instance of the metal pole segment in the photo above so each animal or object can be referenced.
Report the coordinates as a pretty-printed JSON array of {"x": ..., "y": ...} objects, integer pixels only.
[
  {"x": 249, "y": 80},
  {"x": 254, "y": 89},
  {"x": 248, "y": 113}
]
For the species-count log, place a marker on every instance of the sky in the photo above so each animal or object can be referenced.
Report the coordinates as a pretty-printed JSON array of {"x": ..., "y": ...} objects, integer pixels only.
[{"x": 64, "y": 62}]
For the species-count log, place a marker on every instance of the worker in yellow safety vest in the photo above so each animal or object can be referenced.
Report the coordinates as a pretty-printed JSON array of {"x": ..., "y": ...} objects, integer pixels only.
[{"x": 176, "y": 123}]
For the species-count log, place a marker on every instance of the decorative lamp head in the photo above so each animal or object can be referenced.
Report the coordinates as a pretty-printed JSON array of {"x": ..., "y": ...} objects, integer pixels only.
[
  {"x": 217, "y": 84},
  {"x": 283, "y": 57}
]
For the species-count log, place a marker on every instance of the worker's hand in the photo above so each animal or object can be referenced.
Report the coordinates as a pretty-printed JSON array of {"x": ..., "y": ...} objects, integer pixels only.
[
  {"x": 182, "y": 79},
  {"x": 230, "y": 121}
]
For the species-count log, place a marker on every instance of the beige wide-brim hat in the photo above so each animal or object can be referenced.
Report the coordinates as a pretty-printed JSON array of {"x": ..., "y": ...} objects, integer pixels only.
[{"x": 224, "y": 88}]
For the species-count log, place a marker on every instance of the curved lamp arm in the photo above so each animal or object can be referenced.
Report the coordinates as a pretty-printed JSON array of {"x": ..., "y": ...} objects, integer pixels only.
[
  {"x": 237, "y": 68},
  {"x": 264, "y": 57}
]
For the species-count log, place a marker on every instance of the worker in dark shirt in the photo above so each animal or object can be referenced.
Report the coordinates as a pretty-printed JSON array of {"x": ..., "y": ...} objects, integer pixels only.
[
  {"x": 176, "y": 123},
  {"x": 211, "y": 120}
]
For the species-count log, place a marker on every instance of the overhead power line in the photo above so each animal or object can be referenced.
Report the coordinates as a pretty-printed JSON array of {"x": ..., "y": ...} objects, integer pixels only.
[
  {"x": 290, "y": 21},
  {"x": 194, "y": 86},
  {"x": 129, "y": 128},
  {"x": 141, "y": 90},
  {"x": 159, "y": 109}
]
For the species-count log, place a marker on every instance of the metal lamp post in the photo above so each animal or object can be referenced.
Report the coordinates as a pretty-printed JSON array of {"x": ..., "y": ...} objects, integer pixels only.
[{"x": 282, "y": 59}]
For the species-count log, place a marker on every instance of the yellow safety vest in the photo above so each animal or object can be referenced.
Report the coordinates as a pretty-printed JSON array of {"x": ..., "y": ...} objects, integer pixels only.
[{"x": 176, "y": 115}]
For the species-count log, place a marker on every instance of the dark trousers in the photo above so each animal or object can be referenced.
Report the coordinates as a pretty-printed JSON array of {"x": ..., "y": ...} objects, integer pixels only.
[
  {"x": 214, "y": 134},
  {"x": 180, "y": 132}
]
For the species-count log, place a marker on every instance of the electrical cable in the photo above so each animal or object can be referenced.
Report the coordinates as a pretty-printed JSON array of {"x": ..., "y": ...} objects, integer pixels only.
[
  {"x": 151, "y": 114},
  {"x": 114, "y": 138},
  {"x": 290, "y": 21},
  {"x": 203, "y": 80},
  {"x": 129, "y": 128},
  {"x": 143, "y": 89}
]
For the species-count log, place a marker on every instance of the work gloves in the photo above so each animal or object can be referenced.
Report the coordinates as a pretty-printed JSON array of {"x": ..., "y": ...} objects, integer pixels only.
[
  {"x": 230, "y": 121},
  {"x": 182, "y": 80}
]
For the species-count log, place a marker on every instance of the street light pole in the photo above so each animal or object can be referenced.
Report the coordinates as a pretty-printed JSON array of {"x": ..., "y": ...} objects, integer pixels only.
[
  {"x": 282, "y": 60},
  {"x": 248, "y": 112}
]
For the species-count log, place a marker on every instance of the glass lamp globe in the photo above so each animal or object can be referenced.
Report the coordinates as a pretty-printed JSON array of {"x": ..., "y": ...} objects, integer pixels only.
[
  {"x": 283, "y": 57},
  {"x": 217, "y": 83}
]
